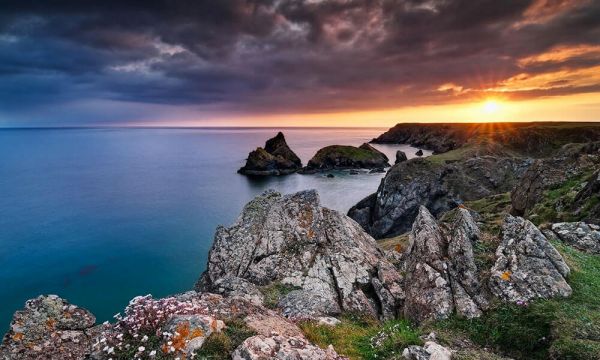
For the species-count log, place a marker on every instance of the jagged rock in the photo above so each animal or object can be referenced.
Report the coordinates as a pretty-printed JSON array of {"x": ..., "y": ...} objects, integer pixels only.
[
  {"x": 347, "y": 157},
  {"x": 400, "y": 156},
  {"x": 192, "y": 330},
  {"x": 441, "y": 275},
  {"x": 580, "y": 235},
  {"x": 235, "y": 286},
  {"x": 292, "y": 239},
  {"x": 48, "y": 328},
  {"x": 430, "y": 351},
  {"x": 281, "y": 347},
  {"x": 275, "y": 159},
  {"x": 439, "y": 187},
  {"x": 527, "y": 265},
  {"x": 586, "y": 203}
]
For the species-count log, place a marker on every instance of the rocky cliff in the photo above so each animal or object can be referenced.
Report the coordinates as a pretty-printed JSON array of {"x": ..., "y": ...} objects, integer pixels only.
[
  {"x": 276, "y": 158},
  {"x": 277, "y": 276}
]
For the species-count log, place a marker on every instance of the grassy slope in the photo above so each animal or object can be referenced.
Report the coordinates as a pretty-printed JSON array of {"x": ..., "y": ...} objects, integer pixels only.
[{"x": 335, "y": 151}]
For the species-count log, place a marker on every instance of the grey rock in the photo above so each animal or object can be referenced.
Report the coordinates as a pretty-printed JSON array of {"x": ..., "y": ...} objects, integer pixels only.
[
  {"x": 197, "y": 329},
  {"x": 235, "y": 286},
  {"x": 283, "y": 348},
  {"x": 430, "y": 351},
  {"x": 293, "y": 240},
  {"x": 400, "y": 156},
  {"x": 527, "y": 265},
  {"x": 48, "y": 327},
  {"x": 582, "y": 236},
  {"x": 441, "y": 272}
]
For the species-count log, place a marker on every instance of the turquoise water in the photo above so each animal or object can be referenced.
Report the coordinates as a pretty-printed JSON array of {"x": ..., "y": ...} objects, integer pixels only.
[{"x": 99, "y": 216}]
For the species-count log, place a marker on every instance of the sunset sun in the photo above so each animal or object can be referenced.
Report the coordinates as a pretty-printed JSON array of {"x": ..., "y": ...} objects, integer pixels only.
[{"x": 491, "y": 107}]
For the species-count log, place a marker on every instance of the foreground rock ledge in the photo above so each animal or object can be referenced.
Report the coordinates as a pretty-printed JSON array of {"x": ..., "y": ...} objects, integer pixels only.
[{"x": 291, "y": 239}]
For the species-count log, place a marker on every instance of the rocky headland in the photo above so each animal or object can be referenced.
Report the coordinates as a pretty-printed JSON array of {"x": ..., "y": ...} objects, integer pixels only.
[
  {"x": 341, "y": 157},
  {"x": 483, "y": 252},
  {"x": 276, "y": 158}
]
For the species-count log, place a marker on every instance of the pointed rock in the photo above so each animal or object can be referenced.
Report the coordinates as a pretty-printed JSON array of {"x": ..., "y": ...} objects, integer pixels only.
[
  {"x": 527, "y": 265},
  {"x": 293, "y": 240},
  {"x": 275, "y": 159}
]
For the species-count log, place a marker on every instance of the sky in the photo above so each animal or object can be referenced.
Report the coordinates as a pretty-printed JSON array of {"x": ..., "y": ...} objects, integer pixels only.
[{"x": 297, "y": 63}]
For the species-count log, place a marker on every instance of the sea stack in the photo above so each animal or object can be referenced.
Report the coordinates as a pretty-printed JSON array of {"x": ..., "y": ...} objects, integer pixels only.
[
  {"x": 347, "y": 157},
  {"x": 276, "y": 158}
]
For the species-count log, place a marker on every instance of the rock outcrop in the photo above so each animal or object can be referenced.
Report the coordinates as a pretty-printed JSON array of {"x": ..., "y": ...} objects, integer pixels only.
[
  {"x": 439, "y": 187},
  {"x": 527, "y": 266},
  {"x": 291, "y": 239},
  {"x": 582, "y": 236},
  {"x": 429, "y": 351},
  {"x": 276, "y": 158},
  {"x": 282, "y": 348},
  {"x": 400, "y": 156},
  {"x": 49, "y": 328},
  {"x": 347, "y": 157},
  {"x": 441, "y": 275}
]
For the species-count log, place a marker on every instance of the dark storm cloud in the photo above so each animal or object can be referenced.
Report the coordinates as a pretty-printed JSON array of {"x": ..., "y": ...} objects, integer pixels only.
[{"x": 289, "y": 55}]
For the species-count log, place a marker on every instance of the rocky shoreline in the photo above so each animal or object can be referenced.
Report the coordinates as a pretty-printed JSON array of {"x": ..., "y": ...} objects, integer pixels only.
[{"x": 483, "y": 253}]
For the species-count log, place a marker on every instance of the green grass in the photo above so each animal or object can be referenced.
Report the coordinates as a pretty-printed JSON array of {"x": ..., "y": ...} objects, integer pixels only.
[
  {"x": 363, "y": 338},
  {"x": 345, "y": 151},
  {"x": 219, "y": 346},
  {"x": 545, "y": 329},
  {"x": 275, "y": 292}
]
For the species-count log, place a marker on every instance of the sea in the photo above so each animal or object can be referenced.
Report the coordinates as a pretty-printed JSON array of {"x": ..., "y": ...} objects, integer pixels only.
[{"x": 100, "y": 215}]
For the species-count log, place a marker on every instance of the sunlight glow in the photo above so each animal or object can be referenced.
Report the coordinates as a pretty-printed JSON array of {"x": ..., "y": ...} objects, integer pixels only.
[{"x": 491, "y": 107}]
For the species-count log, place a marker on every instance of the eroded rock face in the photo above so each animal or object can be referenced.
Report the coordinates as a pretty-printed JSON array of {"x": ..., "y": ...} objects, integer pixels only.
[
  {"x": 281, "y": 347},
  {"x": 48, "y": 328},
  {"x": 439, "y": 187},
  {"x": 293, "y": 240},
  {"x": 275, "y": 159},
  {"x": 582, "y": 236},
  {"x": 527, "y": 265},
  {"x": 441, "y": 275},
  {"x": 235, "y": 286}
]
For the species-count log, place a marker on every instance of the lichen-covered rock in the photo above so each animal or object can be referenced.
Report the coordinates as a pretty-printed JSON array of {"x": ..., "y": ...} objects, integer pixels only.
[
  {"x": 430, "y": 351},
  {"x": 235, "y": 286},
  {"x": 275, "y": 159},
  {"x": 582, "y": 236},
  {"x": 527, "y": 265},
  {"x": 441, "y": 275},
  {"x": 48, "y": 328},
  {"x": 347, "y": 157},
  {"x": 191, "y": 330},
  {"x": 282, "y": 347},
  {"x": 293, "y": 240}
]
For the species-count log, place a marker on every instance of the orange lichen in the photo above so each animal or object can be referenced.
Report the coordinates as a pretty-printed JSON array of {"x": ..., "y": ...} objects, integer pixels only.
[
  {"x": 398, "y": 248},
  {"x": 50, "y": 323},
  {"x": 505, "y": 276},
  {"x": 18, "y": 336},
  {"x": 196, "y": 333}
]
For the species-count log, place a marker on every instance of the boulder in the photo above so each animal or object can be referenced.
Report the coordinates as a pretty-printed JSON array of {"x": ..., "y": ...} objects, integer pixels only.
[
  {"x": 191, "y": 331},
  {"x": 430, "y": 351},
  {"x": 51, "y": 328},
  {"x": 527, "y": 265},
  {"x": 276, "y": 158},
  {"x": 441, "y": 275},
  {"x": 400, "y": 156},
  {"x": 347, "y": 157},
  {"x": 282, "y": 347},
  {"x": 419, "y": 152},
  {"x": 582, "y": 236},
  {"x": 293, "y": 240},
  {"x": 392, "y": 210}
]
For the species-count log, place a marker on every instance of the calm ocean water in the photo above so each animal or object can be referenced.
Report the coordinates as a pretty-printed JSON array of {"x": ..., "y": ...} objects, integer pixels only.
[{"x": 99, "y": 216}]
